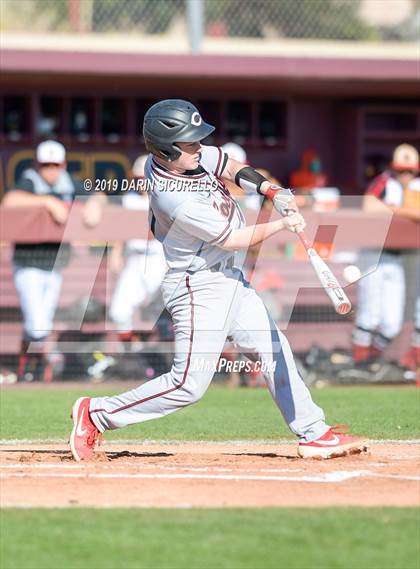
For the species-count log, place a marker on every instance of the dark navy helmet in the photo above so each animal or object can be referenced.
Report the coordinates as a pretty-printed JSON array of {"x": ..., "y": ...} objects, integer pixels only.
[{"x": 171, "y": 121}]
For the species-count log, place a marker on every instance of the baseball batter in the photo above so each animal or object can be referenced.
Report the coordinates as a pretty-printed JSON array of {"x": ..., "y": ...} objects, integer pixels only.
[{"x": 201, "y": 226}]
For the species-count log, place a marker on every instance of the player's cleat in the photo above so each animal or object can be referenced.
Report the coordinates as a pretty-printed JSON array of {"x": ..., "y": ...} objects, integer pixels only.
[
  {"x": 333, "y": 444},
  {"x": 84, "y": 435}
]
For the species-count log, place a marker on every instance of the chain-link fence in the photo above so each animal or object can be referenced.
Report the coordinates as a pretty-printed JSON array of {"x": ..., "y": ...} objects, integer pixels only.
[{"x": 371, "y": 20}]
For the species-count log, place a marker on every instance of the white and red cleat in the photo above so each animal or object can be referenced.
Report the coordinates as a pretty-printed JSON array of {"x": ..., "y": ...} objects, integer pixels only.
[
  {"x": 333, "y": 444},
  {"x": 84, "y": 435}
]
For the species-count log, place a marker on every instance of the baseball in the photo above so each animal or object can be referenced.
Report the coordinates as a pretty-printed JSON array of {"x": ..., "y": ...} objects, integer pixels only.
[{"x": 351, "y": 273}]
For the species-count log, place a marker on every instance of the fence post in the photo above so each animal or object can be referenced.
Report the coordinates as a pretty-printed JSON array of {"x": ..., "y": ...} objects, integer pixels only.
[
  {"x": 195, "y": 24},
  {"x": 73, "y": 11}
]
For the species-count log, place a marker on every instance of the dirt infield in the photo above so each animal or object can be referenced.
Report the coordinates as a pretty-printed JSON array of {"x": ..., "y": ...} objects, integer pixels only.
[{"x": 208, "y": 475}]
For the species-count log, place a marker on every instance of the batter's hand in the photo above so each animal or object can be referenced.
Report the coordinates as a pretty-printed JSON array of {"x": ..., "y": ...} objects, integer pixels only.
[
  {"x": 282, "y": 198},
  {"x": 294, "y": 221}
]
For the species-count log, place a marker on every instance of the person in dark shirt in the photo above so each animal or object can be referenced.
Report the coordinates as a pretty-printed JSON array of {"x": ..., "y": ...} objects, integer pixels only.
[{"x": 38, "y": 266}]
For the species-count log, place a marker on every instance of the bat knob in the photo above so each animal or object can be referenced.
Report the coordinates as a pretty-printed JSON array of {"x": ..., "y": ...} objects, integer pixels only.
[{"x": 344, "y": 308}]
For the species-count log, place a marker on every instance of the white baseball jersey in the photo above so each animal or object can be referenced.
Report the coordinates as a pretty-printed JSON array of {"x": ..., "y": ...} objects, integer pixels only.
[
  {"x": 388, "y": 189},
  {"x": 191, "y": 214}
]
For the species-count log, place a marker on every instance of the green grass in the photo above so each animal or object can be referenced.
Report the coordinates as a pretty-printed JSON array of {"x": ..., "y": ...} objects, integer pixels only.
[
  {"x": 223, "y": 414},
  {"x": 339, "y": 538},
  {"x": 344, "y": 538}
]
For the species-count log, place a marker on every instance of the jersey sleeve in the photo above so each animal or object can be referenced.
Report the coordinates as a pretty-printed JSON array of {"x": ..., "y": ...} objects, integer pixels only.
[
  {"x": 377, "y": 187},
  {"x": 203, "y": 221},
  {"x": 387, "y": 189},
  {"x": 214, "y": 159}
]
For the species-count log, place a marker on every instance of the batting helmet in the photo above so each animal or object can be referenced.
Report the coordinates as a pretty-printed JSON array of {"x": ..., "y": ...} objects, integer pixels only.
[{"x": 172, "y": 121}]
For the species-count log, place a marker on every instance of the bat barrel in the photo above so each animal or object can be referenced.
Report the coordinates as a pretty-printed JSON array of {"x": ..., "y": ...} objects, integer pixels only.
[
  {"x": 338, "y": 297},
  {"x": 341, "y": 303}
]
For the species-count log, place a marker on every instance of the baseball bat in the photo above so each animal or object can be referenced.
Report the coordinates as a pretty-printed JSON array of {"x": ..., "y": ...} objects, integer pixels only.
[
  {"x": 338, "y": 297},
  {"x": 281, "y": 198}
]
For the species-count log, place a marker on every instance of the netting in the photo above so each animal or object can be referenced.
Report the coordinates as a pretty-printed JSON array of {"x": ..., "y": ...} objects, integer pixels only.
[{"x": 362, "y": 20}]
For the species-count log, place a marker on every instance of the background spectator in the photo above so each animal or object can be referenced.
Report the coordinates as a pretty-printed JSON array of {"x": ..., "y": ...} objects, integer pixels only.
[
  {"x": 310, "y": 174},
  {"x": 381, "y": 292},
  {"x": 236, "y": 152},
  {"x": 38, "y": 266},
  {"x": 142, "y": 270}
]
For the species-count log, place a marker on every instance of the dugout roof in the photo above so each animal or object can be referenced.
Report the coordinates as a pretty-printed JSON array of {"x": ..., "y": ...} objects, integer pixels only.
[{"x": 336, "y": 72}]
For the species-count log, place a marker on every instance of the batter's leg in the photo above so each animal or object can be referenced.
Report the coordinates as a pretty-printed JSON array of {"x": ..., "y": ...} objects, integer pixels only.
[
  {"x": 254, "y": 331},
  {"x": 198, "y": 344}
]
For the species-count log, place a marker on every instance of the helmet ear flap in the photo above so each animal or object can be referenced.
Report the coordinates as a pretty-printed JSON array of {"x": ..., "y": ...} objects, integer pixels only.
[
  {"x": 169, "y": 153},
  {"x": 176, "y": 149}
]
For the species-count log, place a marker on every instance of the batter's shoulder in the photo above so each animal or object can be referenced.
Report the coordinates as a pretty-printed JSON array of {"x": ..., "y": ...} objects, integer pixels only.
[{"x": 213, "y": 159}]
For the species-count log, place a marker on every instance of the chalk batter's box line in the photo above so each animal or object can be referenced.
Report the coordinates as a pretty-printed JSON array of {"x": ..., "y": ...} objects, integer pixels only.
[
  {"x": 152, "y": 442},
  {"x": 329, "y": 477}
]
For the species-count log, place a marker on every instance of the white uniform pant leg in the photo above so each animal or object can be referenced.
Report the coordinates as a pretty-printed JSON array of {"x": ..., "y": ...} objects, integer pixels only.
[
  {"x": 154, "y": 270},
  {"x": 199, "y": 340},
  {"x": 129, "y": 293},
  {"x": 392, "y": 297},
  {"x": 369, "y": 298},
  {"x": 140, "y": 279},
  {"x": 39, "y": 293},
  {"x": 415, "y": 340},
  {"x": 253, "y": 331}
]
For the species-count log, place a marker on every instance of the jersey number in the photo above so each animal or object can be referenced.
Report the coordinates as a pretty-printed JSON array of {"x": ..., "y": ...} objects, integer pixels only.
[{"x": 225, "y": 207}]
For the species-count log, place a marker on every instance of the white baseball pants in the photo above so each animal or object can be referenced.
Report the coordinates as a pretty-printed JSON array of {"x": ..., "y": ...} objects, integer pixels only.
[
  {"x": 380, "y": 297},
  {"x": 206, "y": 308},
  {"x": 39, "y": 293},
  {"x": 416, "y": 332},
  {"x": 139, "y": 280}
]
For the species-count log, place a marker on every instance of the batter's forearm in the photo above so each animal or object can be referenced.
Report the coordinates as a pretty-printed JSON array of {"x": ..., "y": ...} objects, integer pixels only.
[
  {"x": 252, "y": 235},
  {"x": 246, "y": 177},
  {"x": 251, "y": 181}
]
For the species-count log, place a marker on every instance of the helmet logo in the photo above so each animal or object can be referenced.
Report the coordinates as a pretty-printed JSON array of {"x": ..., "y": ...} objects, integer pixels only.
[{"x": 196, "y": 119}]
